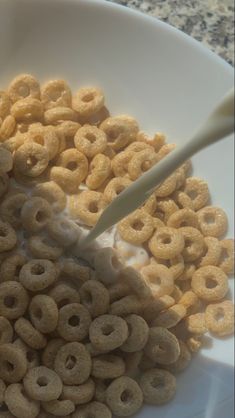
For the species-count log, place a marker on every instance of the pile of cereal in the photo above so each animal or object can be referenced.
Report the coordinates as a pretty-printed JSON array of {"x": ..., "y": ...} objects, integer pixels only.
[{"x": 86, "y": 340}]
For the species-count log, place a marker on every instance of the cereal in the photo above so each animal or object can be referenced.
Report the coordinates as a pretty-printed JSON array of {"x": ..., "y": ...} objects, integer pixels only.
[
  {"x": 190, "y": 301},
  {"x": 100, "y": 170},
  {"x": 138, "y": 334},
  {"x": 13, "y": 300},
  {"x": 50, "y": 351},
  {"x": 167, "y": 187},
  {"x": 158, "y": 386},
  {"x": 183, "y": 360},
  {"x": 22, "y": 86},
  {"x": 108, "y": 332},
  {"x": 194, "y": 343},
  {"x": 46, "y": 137},
  {"x": 138, "y": 146},
  {"x": 120, "y": 163},
  {"x": 95, "y": 297},
  {"x": 170, "y": 317},
  {"x": 36, "y": 213},
  {"x": 41, "y": 247},
  {"x": 88, "y": 206},
  {"x": 5, "y": 104},
  {"x": 183, "y": 217},
  {"x": 226, "y": 260},
  {"x": 107, "y": 366},
  {"x": 10, "y": 208},
  {"x": 120, "y": 130},
  {"x": 31, "y": 159},
  {"x": 194, "y": 243},
  {"x": 162, "y": 346},
  {"x": 6, "y": 160},
  {"x": 4, "y": 183},
  {"x": 175, "y": 265},
  {"x": 80, "y": 394},
  {"x": 165, "y": 208},
  {"x": 124, "y": 396},
  {"x": 11, "y": 266},
  {"x": 13, "y": 364},
  {"x": 88, "y": 101},
  {"x": 137, "y": 227},
  {"x": 73, "y": 269},
  {"x": 37, "y": 275},
  {"x": 32, "y": 356},
  {"x": 166, "y": 243},
  {"x": 58, "y": 114},
  {"x": 59, "y": 408},
  {"x": 6, "y": 331},
  {"x": 8, "y": 238},
  {"x": 118, "y": 290},
  {"x": 94, "y": 410},
  {"x": 30, "y": 335},
  {"x": 43, "y": 313},
  {"x": 159, "y": 278},
  {"x": 90, "y": 140},
  {"x": 165, "y": 150},
  {"x": 141, "y": 162},
  {"x": 27, "y": 110},
  {"x": 56, "y": 93},
  {"x": 213, "y": 252},
  {"x": 73, "y": 363},
  {"x": 108, "y": 265},
  {"x": 129, "y": 304},
  {"x": 42, "y": 384},
  {"x": 19, "y": 404},
  {"x": 195, "y": 323},
  {"x": 136, "y": 282},
  {"x": 53, "y": 193},
  {"x": 152, "y": 308},
  {"x": 219, "y": 318},
  {"x": 212, "y": 221},
  {"x": 210, "y": 283},
  {"x": 197, "y": 190},
  {"x": 74, "y": 322},
  {"x": 63, "y": 231},
  {"x": 150, "y": 206},
  {"x": 64, "y": 294},
  {"x": 2, "y": 391}
]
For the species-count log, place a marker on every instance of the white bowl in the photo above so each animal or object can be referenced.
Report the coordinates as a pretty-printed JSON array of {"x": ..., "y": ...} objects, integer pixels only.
[{"x": 169, "y": 82}]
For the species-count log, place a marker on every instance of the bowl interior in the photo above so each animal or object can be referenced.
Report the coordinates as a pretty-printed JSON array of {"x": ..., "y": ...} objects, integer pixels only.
[{"x": 169, "y": 82}]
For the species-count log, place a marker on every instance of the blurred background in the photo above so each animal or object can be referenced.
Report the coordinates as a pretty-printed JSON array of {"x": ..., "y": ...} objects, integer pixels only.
[{"x": 209, "y": 21}]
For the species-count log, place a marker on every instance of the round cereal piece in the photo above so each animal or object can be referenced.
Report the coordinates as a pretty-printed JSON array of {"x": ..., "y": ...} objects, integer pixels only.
[
  {"x": 150, "y": 205},
  {"x": 190, "y": 301},
  {"x": 6, "y": 331},
  {"x": 108, "y": 332},
  {"x": 58, "y": 114},
  {"x": 141, "y": 162},
  {"x": 22, "y": 86},
  {"x": 6, "y": 160},
  {"x": 183, "y": 360},
  {"x": 182, "y": 200},
  {"x": 124, "y": 396},
  {"x": 19, "y": 404},
  {"x": 136, "y": 281},
  {"x": 42, "y": 247},
  {"x": 80, "y": 394},
  {"x": 87, "y": 206},
  {"x": 15, "y": 142},
  {"x": 195, "y": 323},
  {"x": 59, "y": 408},
  {"x": 151, "y": 309},
  {"x": 65, "y": 178},
  {"x": 177, "y": 293},
  {"x": 129, "y": 304},
  {"x": 13, "y": 300},
  {"x": 226, "y": 259},
  {"x": 75, "y": 162},
  {"x": 8, "y": 237},
  {"x": 132, "y": 361},
  {"x": 36, "y": 213},
  {"x": 170, "y": 317},
  {"x": 197, "y": 190},
  {"x": 10, "y": 208},
  {"x": 56, "y": 93},
  {"x": 37, "y": 275},
  {"x": 162, "y": 346},
  {"x": 183, "y": 217},
  {"x": 7, "y": 128},
  {"x": 4, "y": 183},
  {"x": 74, "y": 322},
  {"x": 189, "y": 269},
  {"x": 88, "y": 101},
  {"x": 11, "y": 266},
  {"x": 5, "y": 104},
  {"x": 210, "y": 283},
  {"x": 108, "y": 265},
  {"x": 194, "y": 343},
  {"x": 137, "y": 227},
  {"x": 47, "y": 137},
  {"x": 27, "y": 110},
  {"x": 175, "y": 265},
  {"x": 32, "y": 356},
  {"x": 64, "y": 231},
  {"x": 74, "y": 269},
  {"x": 31, "y": 159},
  {"x": 165, "y": 208},
  {"x": 95, "y": 297},
  {"x": 100, "y": 170},
  {"x": 219, "y": 318},
  {"x": 138, "y": 334},
  {"x": 212, "y": 221},
  {"x": 194, "y": 243},
  {"x": 42, "y": 384},
  {"x": 29, "y": 181},
  {"x": 107, "y": 366},
  {"x": 43, "y": 313},
  {"x": 53, "y": 193},
  {"x": 64, "y": 294},
  {"x": 94, "y": 351},
  {"x": 120, "y": 130},
  {"x": 118, "y": 290},
  {"x": 67, "y": 130},
  {"x": 138, "y": 146},
  {"x": 115, "y": 187},
  {"x": 120, "y": 163},
  {"x": 213, "y": 252},
  {"x": 30, "y": 335},
  {"x": 159, "y": 278},
  {"x": 13, "y": 364},
  {"x": 101, "y": 386},
  {"x": 2, "y": 391},
  {"x": 166, "y": 243},
  {"x": 90, "y": 140},
  {"x": 158, "y": 386},
  {"x": 73, "y": 363},
  {"x": 167, "y": 187},
  {"x": 50, "y": 351},
  {"x": 94, "y": 410}
]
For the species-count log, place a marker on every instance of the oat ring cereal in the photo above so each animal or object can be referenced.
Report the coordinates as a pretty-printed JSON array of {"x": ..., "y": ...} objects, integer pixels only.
[
  {"x": 46, "y": 137},
  {"x": 194, "y": 243},
  {"x": 35, "y": 214},
  {"x": 63, "y": 231},
  {"x": 100, "y": 169},
  {"x": 88, "y": 101},
  {"x": 14, "y": 300},
  {"x": 95, "y": 297},
  {"x": 183, "y": 217},
  {"x": 165, "y": 208},
  {"x": 226, "y": 260},
  {"x": 124, "y": 396},
  {"x": 108, "y": 332},
  {"x": 42, "y": 384},
  {"x": 27, "y": 110},
  {"x": 8, "y": 237},
  {"x": 74, "y": 161},
  {"x": 213, "y": 252},
  {"x": 170, "y": 317},
  {"x": 158, "y": 386},
  {"x": 4, "y": 183},
  {"x": 141, "y": 162},
  {"x": 166, "y": 243},
  {"x": 137, "y": 227},
  {"x": 87, "y": 206},
  {"x": 197, "y": 190},
  {"x": 6, "y": 160},
  {"x": 7, "y": 128},
  {"x": 58, "y": 114},
  {"x": 43, "y": 247},
  {"x": 37, "y": 275},
  {"x": 212, "y": 221},
  {"x": 11, "y": 266},
  {"x": 5, "y": 104},
  {"x": 115, "y": 187},
  {"x": 81, "y": 394},
  {"x": 175, "y": 265},
  {"x": 90, "y": 140},
  {"x": 31, "y": 159},
  {"x": 6, "y": 331},
  {"x": 13, "y": 363},
  {"x": 64, "y": 294},
  {"x": 59, "y": 408},
  {"x": 138, "y": 334},
  {"x": 107, "y": 366},
  {"x": 30, "y": 335},
  {"x": 210, "y": 283},
  {"x": 93, "y": 409},
  {"x": 136, "y": 282},
  {"x": 120, "y": 163},
  {"x": 43, "y": 313},
  {"x": 219, "y": 318},
  {"x": 183, "y": 360},
  {"x": 74, "y": 322},
  {"x": 120, "y": 130},
  {"x": 20, "y": 405},
  {"x": 53, "y": 193},
  {"x": 162, "y": 346},
  {"x": 159, "y": 278},
  {"x": 56, "y": 93},
  {"x": 10, "y": 208},
  {"x": 32, "y": 356},
  {"x": 108, "y": 265},
  {"x": 167, "y": 187},
  {"x": 22, "y": 86}
]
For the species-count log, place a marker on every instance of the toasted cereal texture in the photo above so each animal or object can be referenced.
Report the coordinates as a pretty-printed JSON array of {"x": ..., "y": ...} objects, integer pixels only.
[
  {"x": 158, "y": 386},
  {"x": 9, "y": 353},
  {"x": 93, "y": 409},
  {"x": 42, "y": 384},
  {"x": 219, "y": 318},
  {"x": 124, "y": 396},
  {"x": 20, "y": 405},
  {"x": 79, "y": 394}
]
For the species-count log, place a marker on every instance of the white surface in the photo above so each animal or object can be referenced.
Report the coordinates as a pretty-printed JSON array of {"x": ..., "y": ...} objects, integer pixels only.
[{"x": 167, "y": 81}]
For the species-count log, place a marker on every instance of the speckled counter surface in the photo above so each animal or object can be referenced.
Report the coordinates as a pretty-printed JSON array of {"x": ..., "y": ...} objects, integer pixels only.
[{"x": 208, "y": 21}]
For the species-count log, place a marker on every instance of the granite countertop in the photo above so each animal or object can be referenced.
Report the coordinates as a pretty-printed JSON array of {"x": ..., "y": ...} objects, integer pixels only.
[{"x": 208, "y": 21}]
